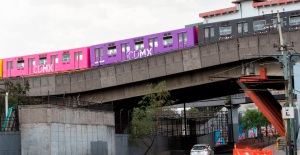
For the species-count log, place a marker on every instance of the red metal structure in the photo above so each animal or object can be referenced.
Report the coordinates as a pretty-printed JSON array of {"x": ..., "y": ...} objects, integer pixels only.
[{"x": 263, "y": 99}]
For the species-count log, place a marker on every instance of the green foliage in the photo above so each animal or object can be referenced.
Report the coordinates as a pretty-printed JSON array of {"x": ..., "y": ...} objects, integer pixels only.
[
  {"x": 209, "y": 109},
  {"x": 254, "y": 118},
  {"x": 15, "y": 90},
  {"x": 12, "y": 101},
  {"x": 193, "y": 110},
  {"x": 145, "y": 124}
]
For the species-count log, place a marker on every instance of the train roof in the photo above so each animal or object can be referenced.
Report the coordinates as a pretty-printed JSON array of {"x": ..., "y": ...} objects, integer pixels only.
[
  {"x": 138, "y": 37},
  {"x": 46, "y": 53}
]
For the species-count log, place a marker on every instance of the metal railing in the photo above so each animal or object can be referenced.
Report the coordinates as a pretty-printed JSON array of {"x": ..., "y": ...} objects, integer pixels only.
[{"x": 9, "y": 123}]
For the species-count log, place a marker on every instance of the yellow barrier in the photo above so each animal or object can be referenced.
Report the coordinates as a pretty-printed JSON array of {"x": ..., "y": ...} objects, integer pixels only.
[{"x": 280, "y": 143}]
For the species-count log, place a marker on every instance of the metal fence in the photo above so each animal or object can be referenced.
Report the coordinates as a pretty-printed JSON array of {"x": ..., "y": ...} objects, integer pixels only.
[
  {"x": 9, "y": 123},
  {"x": 193, "y": 124}
]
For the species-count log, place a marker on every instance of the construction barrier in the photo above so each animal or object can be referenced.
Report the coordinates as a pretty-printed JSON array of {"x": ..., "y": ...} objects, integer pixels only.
[{"x": 251, "y": 152}]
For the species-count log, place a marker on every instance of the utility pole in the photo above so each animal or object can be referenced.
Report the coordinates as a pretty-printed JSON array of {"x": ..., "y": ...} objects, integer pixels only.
[{"x": 288, "y": 60}]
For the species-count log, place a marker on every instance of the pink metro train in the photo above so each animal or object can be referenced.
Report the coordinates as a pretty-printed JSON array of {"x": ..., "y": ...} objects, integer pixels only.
[
  {"x": 98, "y": 55},
  {"x": 144, "y": 46}
]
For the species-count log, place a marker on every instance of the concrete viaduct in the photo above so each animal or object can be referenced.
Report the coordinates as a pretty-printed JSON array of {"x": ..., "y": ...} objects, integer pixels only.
[
  {"x": 191, "y": 74},
  {"x": 195, "y": 73}
]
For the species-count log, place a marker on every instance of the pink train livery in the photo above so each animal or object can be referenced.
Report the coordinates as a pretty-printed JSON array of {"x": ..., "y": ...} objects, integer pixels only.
[
  {"x": 46, "y": 63},
  {"x": 1, "y": 68}
]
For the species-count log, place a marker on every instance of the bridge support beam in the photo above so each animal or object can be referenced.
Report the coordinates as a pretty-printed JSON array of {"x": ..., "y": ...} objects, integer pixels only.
[
  {"x": 233, "y": 123},
  {"x": 263, "y": 99}
]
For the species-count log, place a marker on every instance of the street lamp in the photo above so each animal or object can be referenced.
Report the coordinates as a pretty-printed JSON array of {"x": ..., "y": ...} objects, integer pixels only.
[
  {"x": 6, "y": 104},
  {"x": 121, "y": 120},
  {"x": 128, "y": 120}
]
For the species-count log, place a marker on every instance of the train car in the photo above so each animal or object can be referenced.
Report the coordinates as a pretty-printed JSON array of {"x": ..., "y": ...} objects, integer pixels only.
[
  {"x": 213, "y": 32},
  {"x": 293, "y": 20},
  {"x": 46, "y": 63},
  {"x": 143, "y": 46},
  {"x": 1, "y": 71}
]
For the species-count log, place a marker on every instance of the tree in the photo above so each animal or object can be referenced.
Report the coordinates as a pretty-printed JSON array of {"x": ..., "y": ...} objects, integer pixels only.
[
  {"x": 145, "y": 118},
  {"x": 254, "y": 118},
  {"x": 17, "y": 93},
  {"x": 193, "y": 110}
]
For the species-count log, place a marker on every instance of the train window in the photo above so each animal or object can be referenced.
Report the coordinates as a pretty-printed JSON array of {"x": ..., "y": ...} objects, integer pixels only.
[
  {"x": 153, "y": 42},
  {"x": 274, "y": 21},
  {"x": 66, "y": 57},
  {"x": 43, "y": 61},
  {"x": 167, "y": 40},
  {"x": 54, "y": 59},
  {"x": 185, "y": 38},
  {"x": 182, "y": 36},
  {"x": 294, "y": 20},
  {"x": 212, "y": 32},
  {"x": 139, "y": 45},
  {"x": 225, "y": 30},
  {"x": 10, "y": 65},
  {"x": 259, "y": 25},
  {"x": 112, "y": 50},
  {"x": 245, "y": 27},
  {"x": 206, "y": 32},
  {"x": 20, "y": 64},
  {"x": 125, "y": 47}
]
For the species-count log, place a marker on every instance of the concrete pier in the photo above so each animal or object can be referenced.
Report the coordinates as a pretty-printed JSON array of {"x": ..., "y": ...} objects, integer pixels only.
[{"x": 56, "y": 130}]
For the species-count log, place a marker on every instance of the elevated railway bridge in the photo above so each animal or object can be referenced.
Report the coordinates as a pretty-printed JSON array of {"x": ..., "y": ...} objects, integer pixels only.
[{"x": 192, "y": 74}]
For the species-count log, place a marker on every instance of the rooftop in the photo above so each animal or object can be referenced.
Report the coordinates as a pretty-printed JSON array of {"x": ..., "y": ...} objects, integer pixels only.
[{"x": 255, "y": 4}]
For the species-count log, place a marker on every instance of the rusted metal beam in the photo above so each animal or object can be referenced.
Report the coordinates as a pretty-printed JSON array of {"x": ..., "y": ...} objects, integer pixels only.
[{"x": 264, "y": 100}]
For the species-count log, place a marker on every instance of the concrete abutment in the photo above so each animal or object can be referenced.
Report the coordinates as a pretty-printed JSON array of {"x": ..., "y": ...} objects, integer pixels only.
[{"x": 49, "y": 129}]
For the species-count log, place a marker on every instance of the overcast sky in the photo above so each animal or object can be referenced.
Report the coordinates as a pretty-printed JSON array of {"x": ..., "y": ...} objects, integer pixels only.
[{"x": 36, "y": 26}]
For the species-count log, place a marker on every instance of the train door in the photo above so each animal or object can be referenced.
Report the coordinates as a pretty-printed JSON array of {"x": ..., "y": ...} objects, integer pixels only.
[
  {"x": 182, "y": 39},
  {"x": 10, "y": 67},
  {"x": 125, "y": 51},
  {"x": 98, "y": 55},
  {"x": 31, "y": 64},
  {"x": 153, "y": 44},
  {"x": 242, "y": 28},
  {"x": 209, "y": 33},
  {"x": 78, "y": 58},
  {"x": 274, "y": 26},
  {"x": 54, "y": 61}
]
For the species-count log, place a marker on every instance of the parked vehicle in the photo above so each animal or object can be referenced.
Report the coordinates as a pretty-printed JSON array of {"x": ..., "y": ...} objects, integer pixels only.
[{"x": 201, "y": 149}]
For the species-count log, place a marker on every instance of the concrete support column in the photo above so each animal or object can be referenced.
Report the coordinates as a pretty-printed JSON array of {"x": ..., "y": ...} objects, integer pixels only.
[{"x": 233, "y": 123}]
